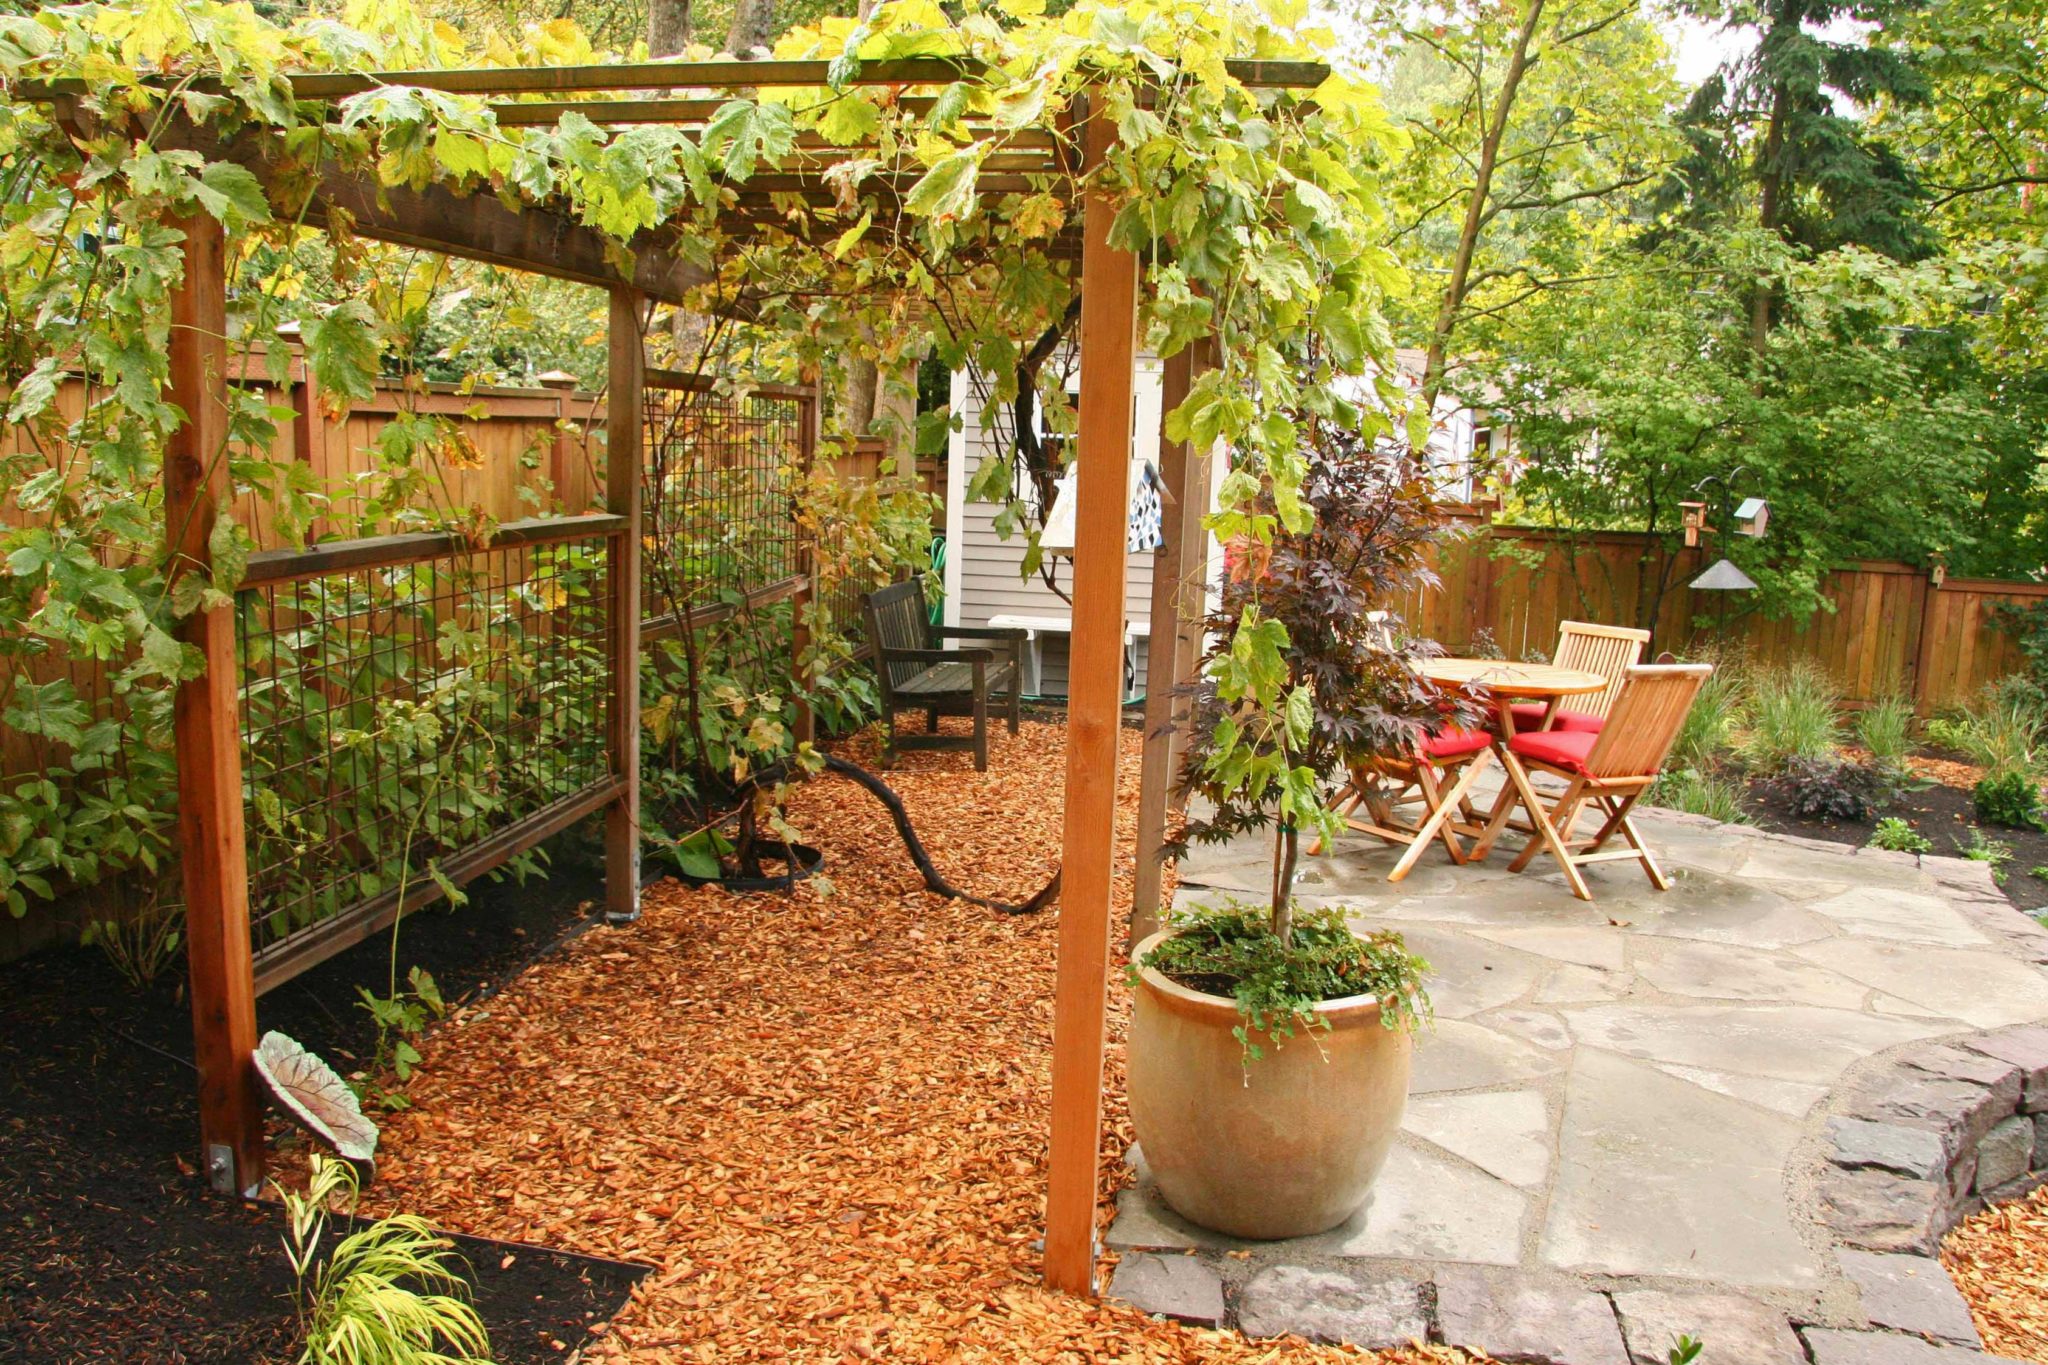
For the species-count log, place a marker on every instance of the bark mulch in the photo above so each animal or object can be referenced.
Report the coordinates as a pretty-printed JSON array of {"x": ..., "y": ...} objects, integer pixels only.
[
  {"x": 821, "y": 1115},
  {"x": 1999, "y": 1259}
]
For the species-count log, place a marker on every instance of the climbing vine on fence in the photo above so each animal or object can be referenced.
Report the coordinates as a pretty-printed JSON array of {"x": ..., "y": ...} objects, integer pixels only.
[{"x": 1255, "y": 211}]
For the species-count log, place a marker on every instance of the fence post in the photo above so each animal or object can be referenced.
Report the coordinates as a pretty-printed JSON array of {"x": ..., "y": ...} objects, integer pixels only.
[
  {"x": 208, "y": 732},
  {"x": 624, "y": 424},
  {"x": 1923, "y": 644}
]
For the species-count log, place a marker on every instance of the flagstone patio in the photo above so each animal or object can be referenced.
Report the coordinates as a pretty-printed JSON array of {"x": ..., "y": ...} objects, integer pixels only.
[{"x": 1618, "y": 1126}]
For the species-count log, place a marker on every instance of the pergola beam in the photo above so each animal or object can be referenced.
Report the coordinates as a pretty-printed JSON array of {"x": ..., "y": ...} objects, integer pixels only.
[
  {"x": 480, "y": 228},
  {"x": 476, "y": 226},
  {"x": 732, "y": 74}
]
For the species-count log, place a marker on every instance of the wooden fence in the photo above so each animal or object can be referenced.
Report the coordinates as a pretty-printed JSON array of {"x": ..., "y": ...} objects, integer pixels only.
[
  {"x": 1888, "y": 628},
  {"x": 521, "y": 452}
]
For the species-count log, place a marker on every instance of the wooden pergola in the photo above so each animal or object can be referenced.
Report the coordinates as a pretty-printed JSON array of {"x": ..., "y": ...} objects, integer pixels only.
[{"x": 546, "y": 241}]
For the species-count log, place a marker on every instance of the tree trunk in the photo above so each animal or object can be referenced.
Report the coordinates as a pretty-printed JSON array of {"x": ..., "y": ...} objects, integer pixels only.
[
  {"x": 1770, "y": 177},
  {"x": 669, "y": 26},
  {"x": 1475, "y": 208},
  {"x": 753, "y": 26},
  {"x": 857, "y": 395},
  {"x": 1286, "y": 853}
]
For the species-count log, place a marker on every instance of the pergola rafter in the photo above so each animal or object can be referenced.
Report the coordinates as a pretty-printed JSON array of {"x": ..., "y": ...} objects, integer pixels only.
[{"x": 1053, "y": 156}]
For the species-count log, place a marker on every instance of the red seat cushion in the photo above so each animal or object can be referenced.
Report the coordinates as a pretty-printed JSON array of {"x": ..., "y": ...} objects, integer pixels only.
[
  {"x": 1454, "y": 743},
  {"x": 1529, "y": 716},
  {"x": 1565, "y": 749}
]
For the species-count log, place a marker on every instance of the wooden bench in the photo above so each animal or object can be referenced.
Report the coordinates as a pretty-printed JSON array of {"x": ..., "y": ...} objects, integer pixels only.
[{"x": 916, "y": 675}]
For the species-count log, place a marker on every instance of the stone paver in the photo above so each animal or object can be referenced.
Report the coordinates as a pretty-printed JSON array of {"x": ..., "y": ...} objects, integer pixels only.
[
  {"x": 1910, "y": 1294},
  {"x": 1737, "y": 1329},
  {"x": 1513, "y": 1318},
  {"x": 1599, "y": 947},
  {"x": 1179, "y": 1287},
  {"x": 1791, "y": 1098},
  {"x": 1719, "y": 971},
  {"x": 2001, "y": 991},
  {"x": 1435, "y": 1207},
  {"x": 1666, "y": 1113},
  {"x": 1832, "y": 1347},
  {"x": 1784, "y": 1042},
  {"x": 1674, "y": 1180},
  {"x": 1374, "y": 1311},
  {"x": 1459, "y": 1055},
  {"x": 1901, "y": 916},
  {"x": 1504, "y": 1134}
]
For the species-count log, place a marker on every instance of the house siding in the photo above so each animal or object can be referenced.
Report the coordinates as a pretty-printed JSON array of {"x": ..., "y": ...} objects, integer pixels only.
[{"x": 984, "y": 571}]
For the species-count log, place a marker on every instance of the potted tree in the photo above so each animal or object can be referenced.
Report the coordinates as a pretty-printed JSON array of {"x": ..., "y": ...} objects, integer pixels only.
[{"x": 1270, "y": 1045}]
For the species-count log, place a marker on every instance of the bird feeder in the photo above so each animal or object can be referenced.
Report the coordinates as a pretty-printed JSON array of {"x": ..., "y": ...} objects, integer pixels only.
[
  {"x": 1695, "y": 521},
  {"x": 1752, "y": 516},
  {"x": 1723, "y": 576}
]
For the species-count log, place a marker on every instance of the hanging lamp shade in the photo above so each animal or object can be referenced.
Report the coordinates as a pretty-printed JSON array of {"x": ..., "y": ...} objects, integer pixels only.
[{"x": 1723, "y": 576}]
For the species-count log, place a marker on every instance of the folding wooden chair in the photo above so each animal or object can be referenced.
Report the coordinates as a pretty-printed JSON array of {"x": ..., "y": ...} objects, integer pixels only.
[
  {"x": 1606, "y": 650},
  {"x": 1609, "y": 770},
  {"x": 1386, "y": 787}
]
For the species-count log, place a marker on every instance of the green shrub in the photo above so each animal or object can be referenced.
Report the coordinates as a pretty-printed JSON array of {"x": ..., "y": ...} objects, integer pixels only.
[
  {"x": 1885, "y": 729},
  {"x": 1703, "y": 738},
  {"x": 1233, "y": 951},
  {"x": 1791, "y": 714},
  {"x": 1896, "y": 836},
  {"x": 2000, "y": 731},
  {"x": 388, "y": 1293},
  {"x": 1698, "y": 792},
  {"x": 1983, "y": 850},
  {"x": 2009, "y": 799}
]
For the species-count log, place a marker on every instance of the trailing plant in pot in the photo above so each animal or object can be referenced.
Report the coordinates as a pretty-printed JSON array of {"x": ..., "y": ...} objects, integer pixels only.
[{"x": 1270, "y": 1046}]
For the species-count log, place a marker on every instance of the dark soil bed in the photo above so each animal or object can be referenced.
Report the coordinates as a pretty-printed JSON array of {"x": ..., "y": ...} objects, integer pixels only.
[
  {"x": 1943, "y": 815},
  {"x": 115, "y": 1251}
]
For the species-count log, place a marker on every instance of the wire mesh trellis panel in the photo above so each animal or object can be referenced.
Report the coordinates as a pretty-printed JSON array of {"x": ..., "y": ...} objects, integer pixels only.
[
  {"x": 722, "y": 549},
  {"x": 402, "y": 718}
]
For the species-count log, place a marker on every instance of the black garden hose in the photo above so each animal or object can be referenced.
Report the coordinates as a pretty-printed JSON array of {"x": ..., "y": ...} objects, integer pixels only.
[{"x": 802, "y": 861}]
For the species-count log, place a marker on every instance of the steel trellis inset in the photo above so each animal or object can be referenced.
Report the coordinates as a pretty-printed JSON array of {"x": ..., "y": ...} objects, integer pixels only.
[{"x": 414, "y": 714}]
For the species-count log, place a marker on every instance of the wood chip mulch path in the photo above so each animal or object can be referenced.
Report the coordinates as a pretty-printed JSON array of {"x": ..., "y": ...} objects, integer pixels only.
[
  {"x": 1999, "y": 1259},
  {"x": 822, "y": 1116}
]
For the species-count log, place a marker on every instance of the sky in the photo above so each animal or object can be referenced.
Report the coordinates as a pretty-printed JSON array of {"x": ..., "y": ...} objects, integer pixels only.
[{"x": 1697, "y": 47}]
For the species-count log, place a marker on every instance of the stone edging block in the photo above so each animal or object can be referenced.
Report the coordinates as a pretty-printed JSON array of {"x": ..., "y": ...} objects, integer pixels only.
[{"x": 1940, "y": 1131}]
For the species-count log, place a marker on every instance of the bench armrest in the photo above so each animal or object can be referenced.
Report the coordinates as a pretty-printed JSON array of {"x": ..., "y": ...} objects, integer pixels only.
[
  {"x": 933, "y": 656},
  {"x": 1011, "y": 633}
]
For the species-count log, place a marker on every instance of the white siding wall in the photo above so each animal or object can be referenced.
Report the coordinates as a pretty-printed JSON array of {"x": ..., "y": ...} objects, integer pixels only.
[{"x": 982, "y": 568}]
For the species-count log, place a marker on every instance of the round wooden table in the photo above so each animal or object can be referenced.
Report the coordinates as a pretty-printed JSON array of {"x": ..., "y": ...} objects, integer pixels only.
[{"x": 1509, "y": 682}]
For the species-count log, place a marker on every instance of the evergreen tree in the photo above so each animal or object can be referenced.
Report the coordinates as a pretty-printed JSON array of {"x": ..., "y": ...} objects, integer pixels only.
[{"x": 1778, "y": 133}]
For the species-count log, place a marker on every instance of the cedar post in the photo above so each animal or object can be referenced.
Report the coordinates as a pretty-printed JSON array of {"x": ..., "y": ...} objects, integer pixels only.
[
  {"x": 208, "y": 732},
  {"x": 801, "y": 605},
  {"x": 1094, "y": 705},
  {"x": 1179, "y": 584},
  {"x": 622, "y": 462}
]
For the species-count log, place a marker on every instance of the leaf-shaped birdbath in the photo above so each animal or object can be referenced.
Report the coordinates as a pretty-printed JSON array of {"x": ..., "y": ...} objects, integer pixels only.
[{"x": 316, "y": 1096}]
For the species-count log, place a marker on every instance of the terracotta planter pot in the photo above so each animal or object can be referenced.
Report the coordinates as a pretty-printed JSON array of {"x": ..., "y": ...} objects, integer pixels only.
[{"x": 1286, "y": 1147}]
